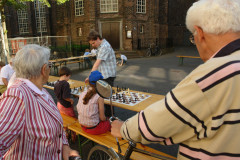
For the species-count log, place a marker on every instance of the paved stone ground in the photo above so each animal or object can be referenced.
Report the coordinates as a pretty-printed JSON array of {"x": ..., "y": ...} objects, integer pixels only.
[{"x": 152, "y": 74}]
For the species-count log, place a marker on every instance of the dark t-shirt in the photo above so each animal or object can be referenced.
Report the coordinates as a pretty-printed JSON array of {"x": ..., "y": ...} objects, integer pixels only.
[{"x": 62, "y": 90}]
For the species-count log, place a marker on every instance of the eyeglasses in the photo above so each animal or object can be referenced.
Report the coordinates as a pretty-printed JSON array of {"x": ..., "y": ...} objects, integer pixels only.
[
  {"x": 50, "y": 64},
  {"x": 191, "y": 39}
]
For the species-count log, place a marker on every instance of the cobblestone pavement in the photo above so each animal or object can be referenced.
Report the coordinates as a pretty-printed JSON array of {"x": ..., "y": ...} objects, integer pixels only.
[{"x": 152, "y": 74}]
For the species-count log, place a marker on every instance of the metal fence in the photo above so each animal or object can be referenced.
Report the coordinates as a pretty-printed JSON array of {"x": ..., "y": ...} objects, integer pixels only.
[{"x": 61, "y": 46}]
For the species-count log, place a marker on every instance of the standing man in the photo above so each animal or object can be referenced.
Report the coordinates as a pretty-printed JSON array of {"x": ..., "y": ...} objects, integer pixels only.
[
  {"x": 202, "y": 112},
  {"x": 106, "y": 60}
]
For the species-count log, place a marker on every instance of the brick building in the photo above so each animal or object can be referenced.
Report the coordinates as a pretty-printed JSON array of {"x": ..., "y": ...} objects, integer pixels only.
[{"x": 126, "y": 24}]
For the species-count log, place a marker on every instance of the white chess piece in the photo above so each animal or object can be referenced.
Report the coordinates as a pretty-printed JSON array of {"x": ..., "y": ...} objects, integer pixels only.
[{"x": 85, "y": 88}]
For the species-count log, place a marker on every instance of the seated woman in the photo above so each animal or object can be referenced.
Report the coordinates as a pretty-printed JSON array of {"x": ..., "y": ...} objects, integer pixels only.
[{"x": 90, "y": 108}]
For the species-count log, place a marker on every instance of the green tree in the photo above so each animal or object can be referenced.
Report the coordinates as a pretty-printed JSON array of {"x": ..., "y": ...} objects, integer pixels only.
[{"x": 17, "y": 4}]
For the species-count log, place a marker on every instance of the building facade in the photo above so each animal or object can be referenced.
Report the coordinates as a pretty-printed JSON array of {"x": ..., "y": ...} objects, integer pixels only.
[{"x": 126, "y": 24}]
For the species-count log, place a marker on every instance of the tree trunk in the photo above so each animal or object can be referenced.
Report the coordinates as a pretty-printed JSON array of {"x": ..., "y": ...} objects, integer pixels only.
[{"x": 5, "y": 47}]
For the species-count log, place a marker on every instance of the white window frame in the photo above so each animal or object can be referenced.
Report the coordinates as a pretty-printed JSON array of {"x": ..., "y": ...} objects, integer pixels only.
[
  {"x": 108, "y": 6},
  {"x": 141, "y": 6},
  {"x": 23, "y": 21},
  {"x": 79, "y": 8},
  {"x": 40, "y": 14}
]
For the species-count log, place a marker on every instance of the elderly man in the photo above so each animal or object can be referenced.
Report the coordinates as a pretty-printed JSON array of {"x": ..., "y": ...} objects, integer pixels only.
[
  {"x": 202, "y": 112},
  {"x": 31, "y": 126}
]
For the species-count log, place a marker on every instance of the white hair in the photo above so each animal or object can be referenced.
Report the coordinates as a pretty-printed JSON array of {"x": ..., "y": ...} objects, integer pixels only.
[
  {"x": 214, "y": 16},
  {"x": 29, "y": 61}
]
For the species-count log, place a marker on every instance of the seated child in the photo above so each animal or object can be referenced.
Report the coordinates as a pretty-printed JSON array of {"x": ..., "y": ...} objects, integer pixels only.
[
  {"x": 90, "y": 108},
  {"x": 122, "y": 59},
  {"x": 88, "y": 60},
  {"x": 62, "y": 91}
]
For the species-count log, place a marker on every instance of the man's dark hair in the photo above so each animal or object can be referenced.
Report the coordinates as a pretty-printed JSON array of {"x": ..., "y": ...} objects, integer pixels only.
[
  {"x": 65, "y": 71},
  {"x": 93, "y": 35}
]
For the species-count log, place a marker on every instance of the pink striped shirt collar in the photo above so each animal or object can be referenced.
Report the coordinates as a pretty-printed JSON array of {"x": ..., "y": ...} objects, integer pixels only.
[{"x": 35, "y": 88}]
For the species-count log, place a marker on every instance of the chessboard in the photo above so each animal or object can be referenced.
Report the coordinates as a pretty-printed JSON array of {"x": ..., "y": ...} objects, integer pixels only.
[
  {"x": 129, "y": 98},
  {"x": 74, "y": 91},
  {"x": 121, "y": 95}
]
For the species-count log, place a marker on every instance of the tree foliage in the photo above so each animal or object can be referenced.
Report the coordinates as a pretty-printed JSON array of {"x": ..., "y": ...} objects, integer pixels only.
[{"x": 18, "y": 4}]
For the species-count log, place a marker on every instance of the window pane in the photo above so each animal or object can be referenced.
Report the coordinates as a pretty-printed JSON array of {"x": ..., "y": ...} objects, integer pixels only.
[
  {"x": 107, "y": 6},
  {"x": 40, "y": 15},
  {"x": 22, "y": 21},
  {"x": 79, "y": 8},
  {"x": 141, "y": 6}
]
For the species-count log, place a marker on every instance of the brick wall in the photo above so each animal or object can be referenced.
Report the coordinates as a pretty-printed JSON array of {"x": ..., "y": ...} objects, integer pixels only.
[{"x": 163, "y": 23}]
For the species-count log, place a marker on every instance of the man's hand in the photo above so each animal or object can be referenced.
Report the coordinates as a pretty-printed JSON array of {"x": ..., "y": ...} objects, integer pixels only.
[
  {"x": 87, "y": 80},
  {"x": 116, "y": 126}
]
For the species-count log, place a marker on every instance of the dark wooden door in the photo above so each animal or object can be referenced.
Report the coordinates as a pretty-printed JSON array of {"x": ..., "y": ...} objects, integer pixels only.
[{"x": 110, "y": 31}]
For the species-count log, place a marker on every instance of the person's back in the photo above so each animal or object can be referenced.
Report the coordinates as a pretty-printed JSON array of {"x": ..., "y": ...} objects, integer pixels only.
[
  {"x": 6, "y": 73},
  {"x": 123, "y": 57},
  {"x": 202, "y": 112},
  {"x": 86, "y": 52},
  {"x": 88, "y": 114},
  {"x": 90, "y": 108},
  {"x": 63, "y": 92}
]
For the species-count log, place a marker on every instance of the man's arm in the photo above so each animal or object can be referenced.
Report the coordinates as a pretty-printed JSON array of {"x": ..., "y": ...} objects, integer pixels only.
[
  {"x": 173, "y": 119},
  {"x": 69, "y": 100},
  {"x": 96, "y": 65},
  {"x": 94, "y": 68}
]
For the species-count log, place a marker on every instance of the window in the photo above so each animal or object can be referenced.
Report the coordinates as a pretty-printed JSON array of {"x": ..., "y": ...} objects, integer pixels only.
[
  {"x": 79, "y": 8},
  {"x": 108, "y": 6},
  {"x": 22, "y": 21},
  {"x": 141, "y": 29},
  {"x": 40, "y": 14},
  {"x": 141, "y": 6}
]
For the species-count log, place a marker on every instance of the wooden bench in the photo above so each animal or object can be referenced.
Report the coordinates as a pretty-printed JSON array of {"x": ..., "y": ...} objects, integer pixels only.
[
  {"x": 108, "y": 140},
  {"x": 182, "y": 57},
  {"x": 57, "y": 65},
  {"x": 78, "y": 61}
]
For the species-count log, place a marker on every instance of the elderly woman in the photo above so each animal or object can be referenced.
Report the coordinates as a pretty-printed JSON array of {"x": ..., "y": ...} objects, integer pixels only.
[{"x": 31, "y": 126}]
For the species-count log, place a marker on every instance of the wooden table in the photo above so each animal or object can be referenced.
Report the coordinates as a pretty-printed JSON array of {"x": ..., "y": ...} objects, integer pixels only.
[
  {"x": 71, "y": 58},
  {"x": 77, "y": 59},
  {"x": 138, "y": 107}
]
